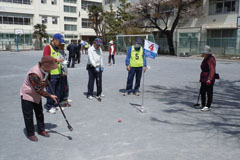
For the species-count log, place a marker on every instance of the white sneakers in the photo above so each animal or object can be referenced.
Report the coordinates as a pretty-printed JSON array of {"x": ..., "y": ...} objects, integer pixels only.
[
  {"x": 137, "y": 93},
  {"x": 69, "y": 100},
  {"x": 52, "y": 110},
  {"x": 90, "y": 97},
  {"x": 205, "y": 109},
  {"x": 99, "y": 98}
]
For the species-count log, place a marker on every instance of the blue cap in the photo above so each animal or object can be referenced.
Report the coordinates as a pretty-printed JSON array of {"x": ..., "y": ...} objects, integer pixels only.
[
  {"x": 98, "y": 41},
  {"x": 59, "y": 37},
  {"x": 139, "y": 41}
]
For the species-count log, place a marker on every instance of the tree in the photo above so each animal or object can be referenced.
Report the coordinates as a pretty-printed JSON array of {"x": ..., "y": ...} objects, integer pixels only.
[
  {"x": 112, "y": 23},
  {"x": 95, "y": 13},
  {"x": 120, "y": 21},
  {"x": 165, "y": 15},
  {"x": 40, "y": 32}
]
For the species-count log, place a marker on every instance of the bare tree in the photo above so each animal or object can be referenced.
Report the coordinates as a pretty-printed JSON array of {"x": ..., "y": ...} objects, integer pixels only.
[{"x": 165, "y": 15}]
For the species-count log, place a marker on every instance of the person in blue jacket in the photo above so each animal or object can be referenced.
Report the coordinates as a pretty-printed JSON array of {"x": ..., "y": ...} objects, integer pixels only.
[{"x": 135, "y": 64}]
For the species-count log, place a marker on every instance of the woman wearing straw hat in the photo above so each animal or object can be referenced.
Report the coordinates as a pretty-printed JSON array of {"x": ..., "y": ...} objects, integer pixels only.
[
  {"x": 31, "y": 92},
  {"x": 207, "y": 78}
]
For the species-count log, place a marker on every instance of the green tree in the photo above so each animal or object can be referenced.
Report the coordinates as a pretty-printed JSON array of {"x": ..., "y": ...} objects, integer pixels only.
[
  {"x": 112, "y": 24},
  {"x": 120, "y": 21},
  {"x": 95, "y": 14},
  {"x": 40, "y": 33}
]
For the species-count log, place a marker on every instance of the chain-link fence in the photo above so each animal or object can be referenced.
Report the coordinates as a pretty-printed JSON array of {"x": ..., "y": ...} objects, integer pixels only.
[
  {"x": 218, "y": 46},
  {"x": 125, "y": 41},
  {"x": 13, "y": 46}
]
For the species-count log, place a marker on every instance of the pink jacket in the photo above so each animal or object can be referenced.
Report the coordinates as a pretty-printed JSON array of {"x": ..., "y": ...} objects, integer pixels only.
[{"x": 27, "y": 91}]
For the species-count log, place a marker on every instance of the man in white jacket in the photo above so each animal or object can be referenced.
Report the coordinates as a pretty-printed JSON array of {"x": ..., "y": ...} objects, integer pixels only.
[{"x": 95, "y": 69}]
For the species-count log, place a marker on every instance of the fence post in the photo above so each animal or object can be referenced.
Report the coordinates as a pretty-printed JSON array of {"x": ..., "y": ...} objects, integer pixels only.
[{"x": 190, "y": 51}]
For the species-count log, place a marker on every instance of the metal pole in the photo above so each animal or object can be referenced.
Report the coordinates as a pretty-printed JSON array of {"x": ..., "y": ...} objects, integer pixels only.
[
  {"x": 143, "y": 89},
  {"x": 17, "y": 42}
]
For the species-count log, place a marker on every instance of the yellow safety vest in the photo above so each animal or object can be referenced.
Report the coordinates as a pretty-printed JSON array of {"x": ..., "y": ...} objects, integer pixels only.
[
  {"x": 55, "y": 55},
  {"x": 136, "y": 59},
  {"x": 86, "y": 46}
]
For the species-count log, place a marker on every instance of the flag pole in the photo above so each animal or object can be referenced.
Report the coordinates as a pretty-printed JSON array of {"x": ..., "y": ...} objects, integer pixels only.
[{"x": 143, "y": 89}]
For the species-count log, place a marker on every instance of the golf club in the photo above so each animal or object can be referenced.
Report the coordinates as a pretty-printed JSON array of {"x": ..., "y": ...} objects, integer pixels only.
[
  {"x": 69, "y": 126},
  {"x": 197, "y": 104}
]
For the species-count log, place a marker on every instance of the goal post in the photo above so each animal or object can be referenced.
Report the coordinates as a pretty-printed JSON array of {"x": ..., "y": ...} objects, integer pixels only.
[{"x": 125, "y": 41}]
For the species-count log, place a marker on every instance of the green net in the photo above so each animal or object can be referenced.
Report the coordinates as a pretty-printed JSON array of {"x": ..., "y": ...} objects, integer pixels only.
[{"x": 125, "y": 41}]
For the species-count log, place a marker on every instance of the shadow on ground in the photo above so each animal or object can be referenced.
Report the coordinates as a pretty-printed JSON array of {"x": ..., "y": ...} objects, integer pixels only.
[
  {"x": 224, "y": 116},
  {"x": 49, "y": 128}
]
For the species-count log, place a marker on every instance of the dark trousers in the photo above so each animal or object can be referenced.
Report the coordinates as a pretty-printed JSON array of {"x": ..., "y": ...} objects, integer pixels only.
[
  {"x": 111, "y": 57},
  {"x": 56, "y": 86},
  {"x": 78, "y": 57},
  {"x": 93, "y": 74},
  {"x": 64, "y": 89},
  {"x": 134, "y": 72},
  {"x": 206, "y": 89},
  {"x": 71, "y": 58},
  {"x": 27, "y": 109}
]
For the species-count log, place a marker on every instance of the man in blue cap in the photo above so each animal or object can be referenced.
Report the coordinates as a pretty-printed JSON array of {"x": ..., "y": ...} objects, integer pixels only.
[
  {"x": 95, "y": 69},
  {"x": 135, "y": 64},
  {"x": 53, "y": 50}
]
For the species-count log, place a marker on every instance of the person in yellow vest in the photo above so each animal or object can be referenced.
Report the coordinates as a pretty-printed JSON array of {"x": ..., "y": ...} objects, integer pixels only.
[
  {"x": 53, "y": 50},
  {"x": 86, "y": 47},
  {"x": 135, "y": 64}
]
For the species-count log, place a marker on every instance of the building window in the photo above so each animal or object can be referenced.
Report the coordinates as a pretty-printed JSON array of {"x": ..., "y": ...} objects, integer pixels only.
[
  {"x": 68, "y": 27},
  {"x": 26, "y": 1},
  {"x": 26, "y": 21},
  {"x": 14, "y": 20},
  {"x": 187, "y": 39},
  {"x": 70, "y": 9},
  {"x": 222, "y": 6},
  {"x": 44, "y": 20},
  {"x": 222, "y": 38},
  {"x": 54, "y": 2},
  {"x": 86, "y": 4},
  {"x": 44, "y": 1},
  {"x": 109, "y": 1},
  {"x": 71, "y": 1},
  {"x": 70, "y": 19},
  {"x": 54, "y": 20},
  {"x": 16, "y": 1},
  {"x": 70, "y": 36},
  {"x": 86, "y": 23}
]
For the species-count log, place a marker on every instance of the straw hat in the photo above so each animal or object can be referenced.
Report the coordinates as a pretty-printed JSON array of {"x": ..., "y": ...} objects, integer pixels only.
[
  {"x": 48, "y": 63},
  {"x": 111, "y": 42},
  {"x": 206, "y": 50}
]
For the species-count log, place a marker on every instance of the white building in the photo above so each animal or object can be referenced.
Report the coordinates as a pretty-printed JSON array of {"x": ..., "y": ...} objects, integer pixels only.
[
  {"x": 68, "y": 17},
  {"x": 217, "y": 27}
]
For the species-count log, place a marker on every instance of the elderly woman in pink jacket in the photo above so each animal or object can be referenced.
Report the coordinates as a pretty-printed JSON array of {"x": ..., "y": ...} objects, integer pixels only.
[{"x": 31, "y": 92}]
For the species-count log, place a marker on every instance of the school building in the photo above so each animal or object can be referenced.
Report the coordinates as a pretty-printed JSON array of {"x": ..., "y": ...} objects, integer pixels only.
[
  {"x": 68, "y": 17},
  {"x": 217, "y": 27}
]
